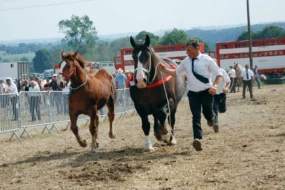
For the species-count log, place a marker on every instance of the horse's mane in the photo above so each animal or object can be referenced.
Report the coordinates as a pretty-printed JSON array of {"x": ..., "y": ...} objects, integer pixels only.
[{"x": 79, "y": 58}]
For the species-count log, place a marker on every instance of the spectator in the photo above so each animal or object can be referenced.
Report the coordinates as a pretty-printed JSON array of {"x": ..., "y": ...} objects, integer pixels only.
[
  {"x": 35, "y": 100},
  {"x": 65, "y": 94},
  {"x": 25, "y": 86},
  {"x": 3, "y": 99},
  {"x": 12, "y": 89},
  {"x": 256, "y": 76},
  {"x": 121, "y": 81},
  {"x": 232, "y": 75},
  {"x": 276, "y": 74},
  {"x": 248, "y": 77},
  {"x": 56, "y": 96},
  {"x": 46, "y": 86}
]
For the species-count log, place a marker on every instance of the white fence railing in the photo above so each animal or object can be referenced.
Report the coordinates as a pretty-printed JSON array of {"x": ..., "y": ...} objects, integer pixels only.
[{"x": 33, "y": 109}]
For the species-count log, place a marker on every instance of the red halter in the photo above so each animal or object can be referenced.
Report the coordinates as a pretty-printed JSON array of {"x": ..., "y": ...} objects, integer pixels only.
[
  {"x": 158, "y": 82},
  {"x": 73, "y": 72}
]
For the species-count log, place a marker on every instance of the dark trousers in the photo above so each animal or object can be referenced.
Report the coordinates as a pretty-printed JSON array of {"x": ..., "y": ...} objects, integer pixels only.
[
  {"x": 245, "y": 84},
  {"x": 14, "y": 107},
  {"x": 35, "y": 106},
  {"x": 65, "y": 104},
  {"x": 197, "y": 101},
  {"x": 219, "y": 105},
  {"x": 233, "y": 85}
]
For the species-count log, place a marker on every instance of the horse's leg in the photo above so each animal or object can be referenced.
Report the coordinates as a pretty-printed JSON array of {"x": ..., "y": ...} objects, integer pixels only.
[
  {"x": 161, "y": 116},
  {"x": 171, "y": 121},
  {"x": 93, "y": 128},
  {"x": 146, "y": 128},
  {"x": 74, "y": 128},
  {"x": 111, "y": 115}
]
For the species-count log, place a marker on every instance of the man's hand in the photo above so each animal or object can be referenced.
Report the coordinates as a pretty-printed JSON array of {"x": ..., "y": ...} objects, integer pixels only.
[
  {"x": 213, "y": 90},
  {"x": 225, "y": 90},
  {"x": 161, "y": 68}
]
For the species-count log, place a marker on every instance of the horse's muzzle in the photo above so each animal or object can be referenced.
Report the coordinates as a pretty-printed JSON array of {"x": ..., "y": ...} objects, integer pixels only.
[{"x": 141, "y": 83}]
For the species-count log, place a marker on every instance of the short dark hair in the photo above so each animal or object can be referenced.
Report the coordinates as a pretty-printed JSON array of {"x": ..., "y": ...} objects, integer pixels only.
[{"x": 194, "y": 43}]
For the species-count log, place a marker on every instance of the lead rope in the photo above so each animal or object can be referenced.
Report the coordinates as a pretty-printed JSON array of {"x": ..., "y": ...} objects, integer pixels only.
[{"x": 163, "y": 83}]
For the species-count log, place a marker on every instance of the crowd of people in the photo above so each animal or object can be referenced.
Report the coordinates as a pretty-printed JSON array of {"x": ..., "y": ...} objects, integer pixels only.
[{"x": 34, "y": 98}]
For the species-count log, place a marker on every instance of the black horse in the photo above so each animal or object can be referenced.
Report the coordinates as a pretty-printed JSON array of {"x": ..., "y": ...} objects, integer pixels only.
[{"x": 152, "y": 92}]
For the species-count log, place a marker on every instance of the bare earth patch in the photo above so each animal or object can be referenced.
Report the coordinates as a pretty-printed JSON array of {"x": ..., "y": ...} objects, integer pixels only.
[{"x": 247, "y": 153}]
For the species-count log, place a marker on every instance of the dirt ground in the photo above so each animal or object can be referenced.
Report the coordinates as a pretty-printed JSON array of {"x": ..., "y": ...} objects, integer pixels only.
[{"x": 247, "y": 153}]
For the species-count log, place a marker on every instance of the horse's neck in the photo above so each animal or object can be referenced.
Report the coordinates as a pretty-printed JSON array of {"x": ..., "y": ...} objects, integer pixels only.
[
  {"x": 79, "y": 77},
  {"x": 155, "y": 61}
]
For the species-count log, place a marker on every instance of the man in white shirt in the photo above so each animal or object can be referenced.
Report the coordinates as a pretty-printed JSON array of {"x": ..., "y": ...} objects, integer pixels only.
[
  {"x": 35, "y": 100},
  {"x": 12, "y": 89},
  {"x": 248, "y": 78},
  {"x": 3, "y": 98},
  {"x": 220, "y": 98},
  {"x": 199, "y": 68},
  {"x": 232, "y": 74}
]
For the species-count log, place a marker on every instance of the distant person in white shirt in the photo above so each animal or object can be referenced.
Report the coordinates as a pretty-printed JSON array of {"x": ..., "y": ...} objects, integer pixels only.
[
  {"x": 201, "y": 90},
  {"x": 248, "y": 78},
  {"x": 3, "y": 99},
  {"x": 12, "y": 89},
  {"x": 220, "y": 98},
  {"x": 232, "y": 74}
]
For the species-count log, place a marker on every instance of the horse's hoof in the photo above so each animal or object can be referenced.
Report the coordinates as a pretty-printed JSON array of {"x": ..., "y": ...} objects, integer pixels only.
[
  {"x": 83, "y": 143},
  {"x": 93, "y": 150},
  {"x": 172, "y": 141},
  {"x": 158, "y": 136},
  {"x": 149, "y": 149},
  {"x": 112, "y": 136}
]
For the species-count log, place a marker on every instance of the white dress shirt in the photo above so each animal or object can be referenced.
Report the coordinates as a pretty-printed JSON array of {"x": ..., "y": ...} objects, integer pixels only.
[
  {"x": 204, "y": 65},
  {"x": 232, "y": 73},
  {"x": 2, "y": 88},
  {"x": 13, "y": 88},
  {"x": 225, "y": 80},
  {"x": 250, "y": 74}
]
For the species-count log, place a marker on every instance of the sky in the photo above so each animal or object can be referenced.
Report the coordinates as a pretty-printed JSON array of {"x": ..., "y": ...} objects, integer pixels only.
[{"x": 36, "y": 19}]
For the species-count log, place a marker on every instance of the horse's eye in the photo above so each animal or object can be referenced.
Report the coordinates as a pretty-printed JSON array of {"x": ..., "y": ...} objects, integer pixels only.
[{"x": 68, "y": 66}]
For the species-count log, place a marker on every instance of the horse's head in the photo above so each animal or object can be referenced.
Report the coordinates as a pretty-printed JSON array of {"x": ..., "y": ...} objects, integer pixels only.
[
  {"x": 142, "y": 56},
  {"x": 72, "y": 62}
]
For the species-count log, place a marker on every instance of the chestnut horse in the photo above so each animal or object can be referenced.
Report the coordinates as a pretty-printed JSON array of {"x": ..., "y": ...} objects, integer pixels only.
[
  {"x": 89, "y": 93},
  {"x": 153, "y": 92}
]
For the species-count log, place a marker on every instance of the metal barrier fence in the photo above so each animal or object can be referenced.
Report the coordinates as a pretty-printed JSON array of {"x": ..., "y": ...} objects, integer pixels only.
[{"x": 34, "y": 109}]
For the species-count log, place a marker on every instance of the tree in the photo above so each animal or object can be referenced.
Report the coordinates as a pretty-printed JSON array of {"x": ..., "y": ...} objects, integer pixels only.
[
  {"x": 24, "y": 59},
  {"x": 80, "y": 34},
  {"x": 153, "y": 38},
  {"x": 41, "y": 61},
  {"x": 174, "y": 37},
  {"x": 103, "y": 52},
  {"x": 267, "y": 32},
  {"x": 116, "y": 45}
]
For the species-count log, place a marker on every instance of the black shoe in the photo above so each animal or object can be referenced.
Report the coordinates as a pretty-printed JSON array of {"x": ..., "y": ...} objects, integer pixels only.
[
  {"x": 197, "y": 145},
  {"x": 210, "y": 123},
  {"x": 216, "y": 128}
]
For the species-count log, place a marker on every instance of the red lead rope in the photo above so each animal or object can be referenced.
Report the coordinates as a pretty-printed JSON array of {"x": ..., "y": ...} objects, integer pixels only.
[{"x": 158, "y": 82}]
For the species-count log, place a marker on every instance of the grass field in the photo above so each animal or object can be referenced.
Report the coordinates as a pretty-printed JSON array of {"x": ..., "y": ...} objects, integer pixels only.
[{"x": 16, "y": 57}]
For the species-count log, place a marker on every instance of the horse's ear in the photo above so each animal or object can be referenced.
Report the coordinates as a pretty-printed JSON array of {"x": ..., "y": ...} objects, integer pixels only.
[
  {"x": 147, "y": 41},
  {"x": 133, "y": 42},
  {"x": 63, "y": 54},
  {"x": 75, "y": 54}
]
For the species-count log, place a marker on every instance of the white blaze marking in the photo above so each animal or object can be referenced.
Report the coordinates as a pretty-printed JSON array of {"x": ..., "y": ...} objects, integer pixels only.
[{"x": 140, "y": 74}]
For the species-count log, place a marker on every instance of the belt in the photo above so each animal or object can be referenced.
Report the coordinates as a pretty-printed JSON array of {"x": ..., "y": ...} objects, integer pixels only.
[{"x": 200, "y": 92}]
